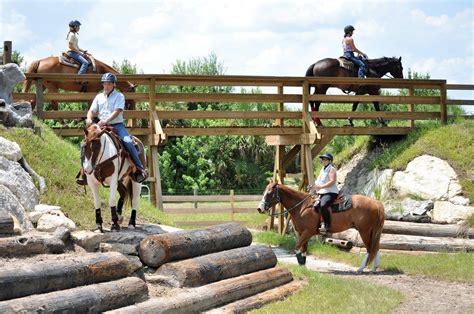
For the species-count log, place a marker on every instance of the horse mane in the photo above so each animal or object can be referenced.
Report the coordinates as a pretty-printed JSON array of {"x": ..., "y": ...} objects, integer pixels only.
[{"x": 298, "y": 193}]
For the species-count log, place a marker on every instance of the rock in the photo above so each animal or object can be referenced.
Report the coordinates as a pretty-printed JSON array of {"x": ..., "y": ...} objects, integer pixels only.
[
  {"x": 10, "y": 203},
  {"x": 378, "y": 184},
  {"x": 50, "y": 222},
  {"x": 10, "y": 150},
  {"x": 20, "y": 114},
  {"x": 127, "y": 249},
  {"x": 446, "y": 212},
  {"x": 459, "y": 200},
  {"x": 19, "y": 182},
  {"x": 422, "y": 179},
  {"x": 10, "y": 75},
  {"x": 36, "y": 215}
]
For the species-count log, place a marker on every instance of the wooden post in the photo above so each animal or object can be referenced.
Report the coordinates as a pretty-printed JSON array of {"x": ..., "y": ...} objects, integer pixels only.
[
  {"x": 7, "y": 52},
  {"x": 443, "y": 108},
  {"x": 153, "y": 166},
  {"x": 279, "y": 169},
  {"x": 156, "y": 185},
  {"x": 232, "y": 205},
  {"x": 411, "y": 107},
  {"x": 39, "y": 98},
  {"x": 195, "y": 193}
]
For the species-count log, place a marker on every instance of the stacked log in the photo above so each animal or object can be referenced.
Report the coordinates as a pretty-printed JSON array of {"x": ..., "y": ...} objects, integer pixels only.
[
  {"x": 428, "y": 230},
  {"x": 23, "y": 279},
  {"x": 35, "y": 243},
  {"x": 93, "y": 298},
  {"x": 217, "y": 266},
  {"x": 156, "y": 250},
  {"x": 213, "y": 295}
]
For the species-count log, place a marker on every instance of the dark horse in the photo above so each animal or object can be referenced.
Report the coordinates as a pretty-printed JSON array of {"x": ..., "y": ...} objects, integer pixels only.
[
  {"x": 377, "y": 68},
  {"x": 366, "y": 215},
  {"x": 52, "y": 65}
]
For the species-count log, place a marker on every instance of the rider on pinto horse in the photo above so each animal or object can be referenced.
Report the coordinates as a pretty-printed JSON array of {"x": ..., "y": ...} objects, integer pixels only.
[{"x": 108, "y": 108}]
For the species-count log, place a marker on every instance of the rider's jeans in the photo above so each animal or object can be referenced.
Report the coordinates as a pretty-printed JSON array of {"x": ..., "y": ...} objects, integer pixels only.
[
  {"x": 350, "y": 55},
  {"x": 128, "y": 143},
  {"x": 78, "y": 57}
]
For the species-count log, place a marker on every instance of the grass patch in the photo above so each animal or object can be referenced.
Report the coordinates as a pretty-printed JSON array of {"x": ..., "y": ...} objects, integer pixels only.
[
  {"x": 443, "y": 266},
  {"x": 326, "y": 293}
]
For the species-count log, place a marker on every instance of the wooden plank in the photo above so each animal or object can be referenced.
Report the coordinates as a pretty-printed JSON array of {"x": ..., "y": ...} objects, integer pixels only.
[
  {"x": 290, "y": 155},
  {"x": 291, "y": 139},
  {"x": 201, "y": 210},
  {"x": 80, "y": 132},
  {"x": 229, "y": 114},
  {"x": 203, "y": 223},
  {"x": 381, "y": 99},
  {"x": 231, "y": 131},
  {"x": 460, "y": 86},
  {"x": 321, "y": 145},
  {"x": 209, "y": 198},
  {"x": 377, "y": 114},
  {"x": 365, "y": 131},
  {"x": 464, "y": 102}
]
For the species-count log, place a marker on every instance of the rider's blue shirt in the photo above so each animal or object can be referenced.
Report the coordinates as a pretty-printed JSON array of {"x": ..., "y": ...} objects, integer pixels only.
[{"x": 106, "y": 105}]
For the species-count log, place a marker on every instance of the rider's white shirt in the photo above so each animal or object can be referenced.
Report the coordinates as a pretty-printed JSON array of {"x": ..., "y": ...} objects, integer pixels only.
[{"x": 106, "y": 105}]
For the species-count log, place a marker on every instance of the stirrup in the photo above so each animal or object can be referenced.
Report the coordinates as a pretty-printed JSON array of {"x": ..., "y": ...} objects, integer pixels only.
[{"x": 81, "y": 178}]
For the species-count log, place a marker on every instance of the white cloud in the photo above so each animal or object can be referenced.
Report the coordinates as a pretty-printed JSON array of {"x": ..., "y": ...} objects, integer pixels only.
[{"x": 13, "y": 26}]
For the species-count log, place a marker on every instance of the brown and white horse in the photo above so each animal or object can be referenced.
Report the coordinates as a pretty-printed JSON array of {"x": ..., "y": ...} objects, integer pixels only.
[
  {"x": 106, "y": 163},
  {"x": 366, "y": 215}
]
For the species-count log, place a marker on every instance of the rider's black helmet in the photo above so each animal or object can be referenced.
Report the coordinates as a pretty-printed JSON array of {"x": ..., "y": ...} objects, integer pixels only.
[
  {"x": 74, "y": 23},
  {"x": 348, "y": 29},
  {"x": 327, "y": 156}
]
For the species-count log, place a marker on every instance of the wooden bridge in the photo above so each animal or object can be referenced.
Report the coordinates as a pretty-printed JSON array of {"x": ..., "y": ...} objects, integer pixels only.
[{"x": 290, "y": 128}]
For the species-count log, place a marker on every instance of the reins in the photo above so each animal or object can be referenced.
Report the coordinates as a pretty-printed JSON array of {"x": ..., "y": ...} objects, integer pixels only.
[{"x": 286, "y": 211}]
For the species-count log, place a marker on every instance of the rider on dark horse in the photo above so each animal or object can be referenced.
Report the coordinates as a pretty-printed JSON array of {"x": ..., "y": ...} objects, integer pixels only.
[{"x": 349, "y": 48}]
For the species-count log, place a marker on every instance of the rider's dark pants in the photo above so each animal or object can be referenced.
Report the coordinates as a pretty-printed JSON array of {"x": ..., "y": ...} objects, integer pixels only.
[{"x": 325, "y": 201}]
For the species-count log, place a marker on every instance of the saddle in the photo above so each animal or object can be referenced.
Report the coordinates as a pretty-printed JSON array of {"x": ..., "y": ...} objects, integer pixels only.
[
  {"x": 347, "y": 64},
  {"x": 65, "y": 59},
  {"x": 342, "y": 203}
]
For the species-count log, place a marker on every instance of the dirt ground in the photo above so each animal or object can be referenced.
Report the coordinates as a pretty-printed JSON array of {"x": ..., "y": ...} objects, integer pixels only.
[{"x": 422, "y": 294}]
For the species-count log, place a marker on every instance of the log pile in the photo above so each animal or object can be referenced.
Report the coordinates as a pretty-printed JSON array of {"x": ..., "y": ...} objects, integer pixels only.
[
  {"x": 418, "y": 237},
  {"x": 42, "y": 243},
  {"x": 6, "y": 224}
]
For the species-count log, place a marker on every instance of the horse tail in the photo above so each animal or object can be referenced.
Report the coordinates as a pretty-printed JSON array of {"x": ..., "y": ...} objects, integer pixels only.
[
  {"x": 309, "y": 71},
  {"x": 33, "y": 68},
  {"x": 129, "y": 192},
  {"x": 376, "y": 232}
]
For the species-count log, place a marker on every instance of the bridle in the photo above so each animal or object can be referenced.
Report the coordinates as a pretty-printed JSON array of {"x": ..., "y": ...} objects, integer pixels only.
[{"x": 277, "y": 200}]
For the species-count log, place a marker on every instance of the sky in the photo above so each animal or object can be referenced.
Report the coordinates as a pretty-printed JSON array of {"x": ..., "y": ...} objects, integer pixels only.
[{"x": 251, "y": 37}]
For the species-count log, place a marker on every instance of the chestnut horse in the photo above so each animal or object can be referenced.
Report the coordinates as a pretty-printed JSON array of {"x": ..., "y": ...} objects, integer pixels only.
[
  {"x": 366, "y": 215},
  {"x": 106, "y": 163},
  {"x": 52, "y": 65},
  {"x": 376, "y": 68}
]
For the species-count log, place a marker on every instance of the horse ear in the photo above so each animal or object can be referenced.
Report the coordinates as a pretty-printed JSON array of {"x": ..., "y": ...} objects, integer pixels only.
[
  {"x": 85, "y": 131},
  {"x": 400, "y": 59}
]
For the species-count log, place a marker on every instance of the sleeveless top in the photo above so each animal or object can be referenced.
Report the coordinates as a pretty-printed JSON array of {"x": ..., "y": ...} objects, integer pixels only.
[
  {"x": 346, "y": 47},
  {"x": 323, "y": 178},
  {"x": 74, "y": 41}
]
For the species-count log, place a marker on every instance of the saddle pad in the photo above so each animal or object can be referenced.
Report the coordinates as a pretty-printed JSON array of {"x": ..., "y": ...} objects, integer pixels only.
[
  {"x": 346, "y": 64},
  {"x": 343, "y": 206}
]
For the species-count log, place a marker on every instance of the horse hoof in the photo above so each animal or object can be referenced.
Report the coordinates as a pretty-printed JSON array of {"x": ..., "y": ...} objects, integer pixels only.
[
  {"x": 98, "y": 229},
  {"x": 359, "y": 271},
  {"x": 115, "y": 227},
  {"x": 120, "y": 219},
  {"x": 301, "y": 259},
  {"x": 131, "y": 227}
]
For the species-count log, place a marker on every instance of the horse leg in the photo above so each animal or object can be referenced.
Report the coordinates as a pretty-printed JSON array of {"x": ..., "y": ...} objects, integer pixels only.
[
  {"x": 366, "y": 237},
  {"x": 136, "y": 188},
  {"x": 363, "y": 264},
  {"x": 122, "y": 192},
  {"x": 376, "y": 262},
  {"x": 98, "y": 221},
  {"x": 113, "y": 204},
  {"x": 354, "y": 108},
  {"x": 302, "y": 247},
  {"x": 314, "y": 105},
  {"x": 377, "y": 108},
  {"x": 95, "y": 194}
]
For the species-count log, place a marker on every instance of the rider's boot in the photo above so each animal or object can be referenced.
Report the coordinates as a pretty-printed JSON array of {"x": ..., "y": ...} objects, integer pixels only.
[
  {"x": 81, "y": 177},
  {"x": 140, "y": 175},
  {"x": 351, "y": 124}
]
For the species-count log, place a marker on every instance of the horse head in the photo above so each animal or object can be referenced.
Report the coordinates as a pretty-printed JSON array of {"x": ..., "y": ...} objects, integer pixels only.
[
  {"x": 92, "y": 146},
  {"x": 382, "y": 66},
  {"x": 270, "y": 198},
  {"x": 396, "y": 67}
]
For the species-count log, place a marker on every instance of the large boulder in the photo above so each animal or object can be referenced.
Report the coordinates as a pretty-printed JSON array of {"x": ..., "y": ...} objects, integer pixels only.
[
  {"x": 428, "y": 178},
  {"x": 20, "y": 114},
  {"x": 447, "y": 212},
  {"x": 10, "y": 75}
]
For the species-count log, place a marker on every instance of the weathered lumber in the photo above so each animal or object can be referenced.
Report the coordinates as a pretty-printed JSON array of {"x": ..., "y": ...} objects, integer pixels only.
[
  {"x": 215, "y": 294},
  {"x": 261, "y": 299},
  {"x": 419, "y": 243},
  {"x": 428, "y": 230},
  {"x": 155, "y": 250},
  {"x": 217, "y": 266},
  {"x": 6, "y": 223},
  {"x": 35, "y": 243},
  {"x": 23, "y": 279},
  {"x": 407, "y": 218},
  {"x": 94, "y": 298}
]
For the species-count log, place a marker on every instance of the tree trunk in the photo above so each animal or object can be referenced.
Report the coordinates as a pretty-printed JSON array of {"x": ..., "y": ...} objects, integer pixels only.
[
  {"x": 94, "y": 298},
  {"x": 217, "y": 266},
  {"x": 261, "y": 299},
  {"x": 215, "y": 294},
  {"x": 23, "y": 279},
  {"x": 6, "y": 224},
  {"x": 428, "y": 230},
  {"x": 155, "y": 250},
  {"x": 35, "y": 243}
]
